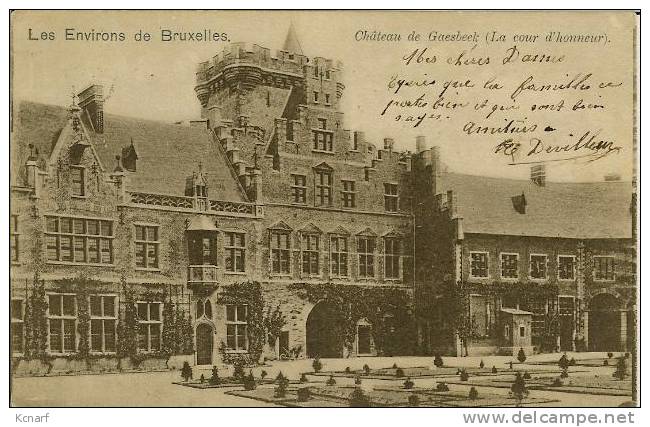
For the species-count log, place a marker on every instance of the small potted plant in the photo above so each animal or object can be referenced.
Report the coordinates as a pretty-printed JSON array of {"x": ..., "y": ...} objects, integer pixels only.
[
  {"x": 186, "y": 371},
  {"x": 317, "y": 365}
]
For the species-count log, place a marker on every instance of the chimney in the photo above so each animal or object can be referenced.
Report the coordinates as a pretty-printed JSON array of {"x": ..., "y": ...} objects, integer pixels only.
[
  {"x": 538, "y": 175},
  {"x": 91, "y": 100},
  {"x": 388, "y": 144},
  {"x": 420, "y": 144}
]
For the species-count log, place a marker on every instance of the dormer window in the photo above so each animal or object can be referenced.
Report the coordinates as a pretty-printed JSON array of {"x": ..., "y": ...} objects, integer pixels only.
[
  {"x": 129, "y": 157},
  {"x": 77, "y": 181}
]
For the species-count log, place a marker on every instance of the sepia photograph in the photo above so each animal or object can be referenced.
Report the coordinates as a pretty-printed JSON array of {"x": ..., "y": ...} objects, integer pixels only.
[{"x": 324, "y": 209}]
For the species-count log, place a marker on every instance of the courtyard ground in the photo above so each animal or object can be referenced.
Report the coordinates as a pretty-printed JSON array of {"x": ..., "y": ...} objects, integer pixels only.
[{"x": 157, "y": 388}]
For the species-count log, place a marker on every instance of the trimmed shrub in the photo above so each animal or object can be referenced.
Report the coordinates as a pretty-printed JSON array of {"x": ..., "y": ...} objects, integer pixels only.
[
  {"x": 414, "y": 400},
  {"x": 610, "y": 354},
  {"x": 621, "y": 369},
  {"x": 249, "y": 381},
  {"x": 437, "y": 361},
  {"x": 481, "y": 365},
  {"x": 395, "y": 366},
  {"x": 358, "y": 399},
  {"x": 572, "y": 362},
  {"x": 527, "y": 375},
  {"x": 563, "y": 363},
  {"x": 331, "y": 380},
  {"x": 408, "y": 384},
  {"x": 357, "y": 380},
  {"x": 214, "y": 379},
  {"x": 518, "y": 387},
  {"x": 494, "y": 369},
  {"x": 280, "y": 378},
  {"x": 239, "y": 374},
  {"x": 303, "y": 378},
  {"x": 464, "y": 376},
  {"x": 281, "y": 389},
  {"x": 564, "y": 373},
  {"x": 202, "y": 379},
  {"x": 605, "y": 362},
  {"x": 186, "y": 371},
  {"x": 442, "y": 387},
  {"x": 317, "y": 365},
  {"x": 263, "y": 374},
  {"x": 366, "y": 369},
  {"x": 399, "y": 372},
  {"x": 473, "y": 393},
  {"x": 304, "y": 394},
  {"x": 348, "y": 370},
  {"x": 557, "y": 383},
  {"x": 521, "y": 356}
]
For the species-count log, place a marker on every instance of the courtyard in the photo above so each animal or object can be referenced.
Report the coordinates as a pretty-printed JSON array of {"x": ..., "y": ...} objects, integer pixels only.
[{"x": 381, "y": 378}]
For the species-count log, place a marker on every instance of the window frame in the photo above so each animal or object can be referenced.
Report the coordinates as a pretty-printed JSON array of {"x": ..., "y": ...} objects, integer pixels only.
[
  {"x": 231, "y": 249},
  {"x": 366, "y": 256},
  {"x": 530, "y": 266},
  {"x": 348, "y": 194},
  {"x": 62, "y": 318},
  {"x": 14, "y": 239},
  {"x": 236, "y": 323},
  {"x": 103, "y": 318},
  {"x": 391, "y": 198},
  {"x": 323, "y": 191},
  {"x": 594, "y": 270},
  {"x": 299, "y": 190},
  {"x": 146, "y": 243},
  {"x": 337, "y": 257},
  {"x": 322, "y": 140},
  {"x": 501, "y": 265},
  {"x": 487, "y": 265},
  {"x": 279, "y": 250},
  {"x": 392, "y": 255},
  {"x": 59, "y": 237},
  {"x": 18, "y": 321},
  {"x": 82, "y": 182},
  {"x": 573, "y": 269},
  {"x": 148, "y": 323},
  {"x": 306, "y": 237}
]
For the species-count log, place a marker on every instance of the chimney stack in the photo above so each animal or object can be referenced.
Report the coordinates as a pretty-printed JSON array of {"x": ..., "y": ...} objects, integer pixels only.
[
  {"x": 420, "y": 144},
  {"x": 91, "y": 100},
  {"x": 538, "y": 174}
]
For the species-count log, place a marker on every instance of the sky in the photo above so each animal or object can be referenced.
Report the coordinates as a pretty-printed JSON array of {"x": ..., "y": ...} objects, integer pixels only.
[{"x": 155, "y": 80}]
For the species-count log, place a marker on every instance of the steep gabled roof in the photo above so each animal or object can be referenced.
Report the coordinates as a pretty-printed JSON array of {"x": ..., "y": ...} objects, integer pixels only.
[
  {"x": 595, "y": 210},
  {"x": 167, "y": 153},
  {"x": 291, "y": 42}
]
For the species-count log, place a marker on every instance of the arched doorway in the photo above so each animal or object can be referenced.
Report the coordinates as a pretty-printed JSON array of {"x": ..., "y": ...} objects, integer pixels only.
[
  {"x": 324, "y": 334},
  {"x": 604, "y": 323},
  {"x": 204, "y": 344}
]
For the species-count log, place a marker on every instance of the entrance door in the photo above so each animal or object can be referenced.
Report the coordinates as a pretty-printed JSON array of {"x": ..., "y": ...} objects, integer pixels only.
[
  {"x": 204, "y": 344},
  {"x": 324, "y": 334},
  {"x": 363, "y": 339}
]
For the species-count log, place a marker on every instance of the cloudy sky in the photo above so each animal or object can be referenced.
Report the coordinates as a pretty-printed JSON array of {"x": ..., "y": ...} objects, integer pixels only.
[{"x": 155, "y": 80}]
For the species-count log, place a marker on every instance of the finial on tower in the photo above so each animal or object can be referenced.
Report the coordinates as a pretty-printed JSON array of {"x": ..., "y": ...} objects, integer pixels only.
[{"x": 291, "y": 43}]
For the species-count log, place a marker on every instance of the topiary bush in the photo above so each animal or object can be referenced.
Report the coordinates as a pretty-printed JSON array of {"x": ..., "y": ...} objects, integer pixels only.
[
  {"x": 481, "y": 365},
  {"x": 331, "y": 380},
  {"x": 281, "y": 389},
  {"x": 527, "y": 375},
  {"x": 518, "y": 388},
  {"x": 304, "y": 394},
  {"x": 605, "y": 362},
  {"x": 437, "y": 361},
  {"x": 521, "y": 356},
  {"x": 414, "y": 400},
  {"x": 348, "y": 370},
  {"x": 357, "y": 380},
  {"x": 621, "y": 369},
  {"x": 303, "y": 378},
  {"x": 239, "y": 374},
  {"x": 395, "y": 366},
  {"x": 214, "y": 379},
  {"x": 399, "y": 372},
  {"x": 202, "y": 379},
  {"x": 557, "y": 382},
  {"x": 464, "y": 376},
  {"x": 473, "y": 393},
  {"x": 263, "y": 374},
  {"x": 249, "y": 381},
  {"x": 280, "y": 378},
  {"x": 366, "y": 369},
  {"x": 317, "y": 365},
  {"x": 494, "y": 369},
  {"x": 186, "y": 371},
  {"x": 408, "y": 384},
  {"x": 442, "y": 387},
  {"x": 564, "y": 373},
  {"x": 563, "y": 363},
  {"x": 359, "y": 399}
]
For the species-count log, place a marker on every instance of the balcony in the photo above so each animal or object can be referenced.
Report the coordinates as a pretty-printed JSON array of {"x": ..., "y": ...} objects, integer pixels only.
[
  {"x": 195, "y": 204},
  {"x": 202, "y": 274}
]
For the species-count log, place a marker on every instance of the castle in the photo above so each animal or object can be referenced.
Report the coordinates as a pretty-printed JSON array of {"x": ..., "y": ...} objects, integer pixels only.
[{"x": 266, "y": 229}]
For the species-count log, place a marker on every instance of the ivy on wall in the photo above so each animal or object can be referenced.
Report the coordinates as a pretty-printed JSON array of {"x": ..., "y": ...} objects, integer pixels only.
[
  {"x": 389, "y": 310},
  {"x": 36, "y": 321}
]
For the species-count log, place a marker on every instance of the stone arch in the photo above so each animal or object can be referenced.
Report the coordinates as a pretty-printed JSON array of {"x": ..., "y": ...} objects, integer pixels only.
[
  {"x": 324, "y": 337},
  {"x": 204, "y": 333}
]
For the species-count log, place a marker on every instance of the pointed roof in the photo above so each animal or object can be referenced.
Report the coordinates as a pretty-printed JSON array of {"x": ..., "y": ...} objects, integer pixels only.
[{"x": 291, "y": 43}]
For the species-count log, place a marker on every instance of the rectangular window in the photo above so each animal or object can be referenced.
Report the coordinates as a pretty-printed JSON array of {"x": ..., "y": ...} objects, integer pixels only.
[
  {"x": 103, "y": 322},
  {"x": 280, "y": 252},
  {"x": 390, "y": 197},
  {"x": 392, "y": 252},
  {"x": 355, "y": 142},
  {"x": 323, "y": 140},
  {"x": 538, "y": 266},
  {"x": 17, "y": 326},
  {"x": 604, "y": 268},
  {"x": 366, "y": 252},
  {"x": 62, "y": 319},
  {"x": 310, "y": 253},
  {"x": 509, "y": 266},
  {"x": 149, "y": 326},
  {"x": 323, "y": 188},
  {"x": 78, "y": 186},
  {"x": 235, "y": 248},
  {"x": 315, "y": 96},
  {"x": 478, "y": 264},
  {"x": 14, "y": 237},
  {"x": 322, "y": 124},
  {"x": 146, "y": 246},
  {"x": 327, "y": 99},
  {"x": 79, "y": 240},
  {"x": 237, "y": 327},
  {"x": 348, "y": 194},
  {"x": 566, "y": 306},
  {"x": 339, "y": 256},
  {"x": 566, "y": 267},
  {"x": 299, "y": 189}
]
